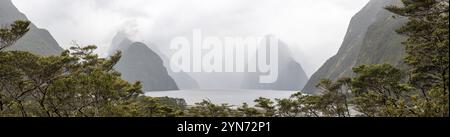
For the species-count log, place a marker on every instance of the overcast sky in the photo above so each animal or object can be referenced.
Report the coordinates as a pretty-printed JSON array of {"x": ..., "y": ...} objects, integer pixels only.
[{"x": 313, "y": 28}]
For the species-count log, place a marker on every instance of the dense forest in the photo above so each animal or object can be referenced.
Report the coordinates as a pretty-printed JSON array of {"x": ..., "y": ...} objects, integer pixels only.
[{"x": 78, "y": 83}]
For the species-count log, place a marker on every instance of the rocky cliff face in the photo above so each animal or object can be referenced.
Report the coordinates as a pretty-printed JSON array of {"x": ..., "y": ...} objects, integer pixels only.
[
  {"x": 140, "y": 63},
  {"x": 371, "y": 39},
  {"x": 37, "y": 41}
]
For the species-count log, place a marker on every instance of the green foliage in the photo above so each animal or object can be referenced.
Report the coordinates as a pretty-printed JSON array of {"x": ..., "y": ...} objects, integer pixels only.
[
  {"x": 76, "y": 83},
  {"x": 334, "y": 99},
  {"x": 427, "y": 49},
  {"x": 267, "y": 105},
  {"x": 207, "y": 109},
  {"x": 287, "y": 107},
  {"x": 9, "y": 35},
  {"x": 246, "y": 111},
  {"x": 381, "y": 78},
  {"x": 379, "y": 91}
]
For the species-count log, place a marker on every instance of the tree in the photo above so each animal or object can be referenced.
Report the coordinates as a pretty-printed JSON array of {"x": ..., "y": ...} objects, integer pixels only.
[
  {"x": 334, "y": 99},
  {"x": 208, "y": 109},
  {"x": 153, "y": 107},
  {"x": 76, "y": 83},
  {"x": 308, "y": 105},
  {"x": 380, "y": 91},
  {"x": 246, "y": 111},
  {"x": 287, "y": 107},
  {"x": 427, "y": 49},
  {"x": 267, "y": 105},
  {"x": 9, "y": 35}
]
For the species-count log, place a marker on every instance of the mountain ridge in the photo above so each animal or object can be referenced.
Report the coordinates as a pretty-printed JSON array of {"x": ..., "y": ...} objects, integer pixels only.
[
  {"x": 38, "y": 41},
  {"x": 364, "y": 44},
  {"x": 140, "y": 63}
]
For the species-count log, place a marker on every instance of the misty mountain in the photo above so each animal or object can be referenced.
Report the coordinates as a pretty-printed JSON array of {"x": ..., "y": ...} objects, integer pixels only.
[
  {"x": 370, "y": 39},
  {"x": 121, "y": 42},
  {"x": 37, "y": 41},
  {"x": 291, "y": 74},
  {"x": 183, "y": 79},
  {"x": 140, "y": 63}
]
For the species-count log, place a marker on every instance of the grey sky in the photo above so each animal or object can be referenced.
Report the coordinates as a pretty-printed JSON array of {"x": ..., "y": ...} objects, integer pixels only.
[{"x": 313, "y": 28}]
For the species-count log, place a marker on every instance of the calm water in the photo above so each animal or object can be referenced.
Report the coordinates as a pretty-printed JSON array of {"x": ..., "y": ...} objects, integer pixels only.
[{"x": 232, "y": 97}]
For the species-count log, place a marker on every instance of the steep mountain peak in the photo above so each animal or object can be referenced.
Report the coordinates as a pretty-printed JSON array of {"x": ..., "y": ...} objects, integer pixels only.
[
  {"x": 140, "y": 63},
  {"x": 9, "y": 12},
  {"x": 139, "y": 44},
  {"x": 121, "y": 42},
  {"x": 371, "y": 39},
  {"x": 37, "y": 41}
]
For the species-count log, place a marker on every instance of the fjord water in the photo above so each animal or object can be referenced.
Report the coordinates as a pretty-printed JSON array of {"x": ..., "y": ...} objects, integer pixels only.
[{"x": 232, "y": 97}]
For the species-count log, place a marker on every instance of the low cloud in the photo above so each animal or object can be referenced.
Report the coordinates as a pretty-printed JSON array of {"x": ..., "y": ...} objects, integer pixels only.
[{"x": 314, "y": 27}]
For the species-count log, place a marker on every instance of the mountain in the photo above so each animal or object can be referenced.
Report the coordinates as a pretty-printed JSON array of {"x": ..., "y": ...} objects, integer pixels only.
[
  {"x": 370, "y": 39},
  {"x": 121, "y": 42},
  {"x": 183, "y": 79},
  {"x": 37, "y": 41},
  {"x": 140, "y": 63},
  {"x": 291, "y": 74}
]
